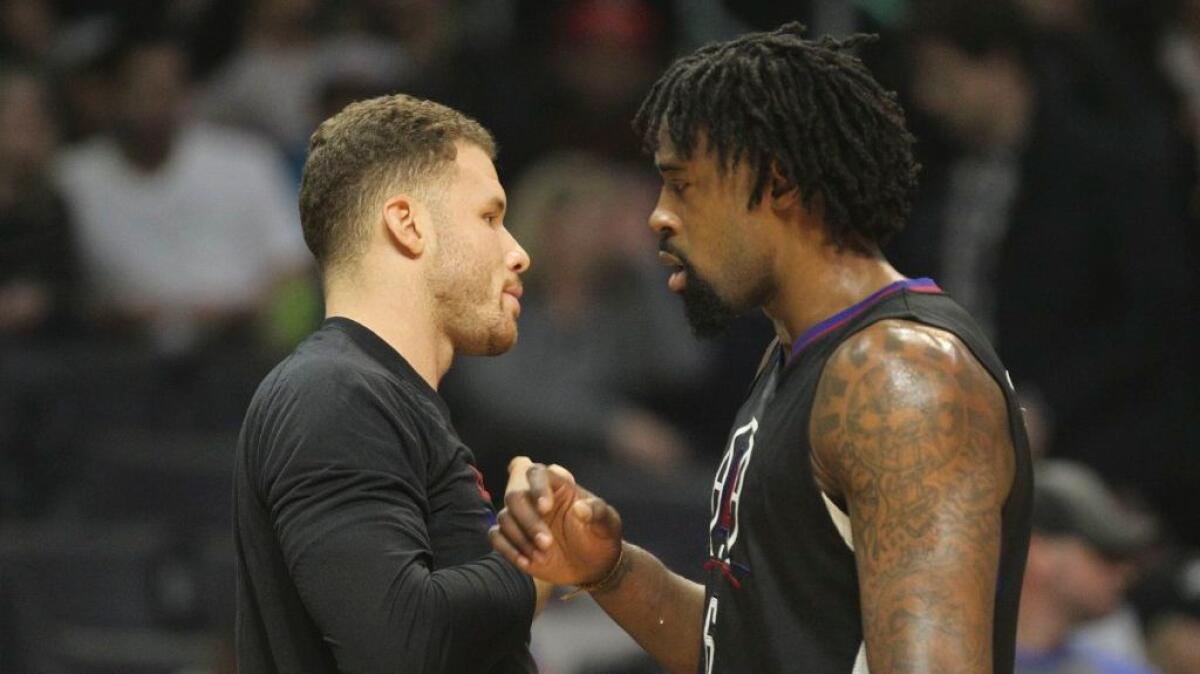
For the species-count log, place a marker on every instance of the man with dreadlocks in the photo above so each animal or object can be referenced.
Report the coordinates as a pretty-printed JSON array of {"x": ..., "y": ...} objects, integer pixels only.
[{"x": 871, "y": 512}]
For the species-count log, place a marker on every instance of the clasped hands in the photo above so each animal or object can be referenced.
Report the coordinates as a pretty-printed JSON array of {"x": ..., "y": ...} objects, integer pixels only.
[{"x": 553, "y": 529}]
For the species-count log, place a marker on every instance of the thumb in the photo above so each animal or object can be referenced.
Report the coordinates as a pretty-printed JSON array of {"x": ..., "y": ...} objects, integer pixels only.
[
  {"x": 594, "y": 513},
  {"x": 558, "y": 477}
]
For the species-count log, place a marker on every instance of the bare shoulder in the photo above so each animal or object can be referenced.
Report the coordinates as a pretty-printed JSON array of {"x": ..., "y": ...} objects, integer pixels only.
[{"x": 904, "y": 398}]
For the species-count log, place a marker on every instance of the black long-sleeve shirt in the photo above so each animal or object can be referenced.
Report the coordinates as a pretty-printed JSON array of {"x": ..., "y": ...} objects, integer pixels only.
[{"x": 361, "y": 525}]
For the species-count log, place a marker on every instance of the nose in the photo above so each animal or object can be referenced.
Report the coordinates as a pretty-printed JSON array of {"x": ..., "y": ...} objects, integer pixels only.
[
  {"x": 663, "y": 222},
  {"x": 517, "y": 260}
]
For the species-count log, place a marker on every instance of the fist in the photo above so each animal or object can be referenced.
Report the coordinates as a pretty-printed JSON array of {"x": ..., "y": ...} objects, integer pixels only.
[{"x": 553, "y": 529}]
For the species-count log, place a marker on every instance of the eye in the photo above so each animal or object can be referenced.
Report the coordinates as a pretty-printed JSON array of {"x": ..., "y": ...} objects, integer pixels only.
[
  {"x": 491, "y": 219},
  {"x": 677, "y": 188}
]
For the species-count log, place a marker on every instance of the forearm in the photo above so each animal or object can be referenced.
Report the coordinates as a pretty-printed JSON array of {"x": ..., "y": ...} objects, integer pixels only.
[
  {"x": 386, "y": 620},
  {"x": 484, "y": 600},
  {"x": 661, "y": 610}
]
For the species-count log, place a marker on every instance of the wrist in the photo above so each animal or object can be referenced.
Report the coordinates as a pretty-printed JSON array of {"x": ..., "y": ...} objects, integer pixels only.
[
  {"x": 609, "y": 580},
  {"x": 542, "y": 593}
]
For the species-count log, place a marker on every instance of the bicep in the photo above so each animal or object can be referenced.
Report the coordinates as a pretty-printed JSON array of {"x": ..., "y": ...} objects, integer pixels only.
[
  {"x": 917, "y": 444},
  {"x": 927, "y": 570}
]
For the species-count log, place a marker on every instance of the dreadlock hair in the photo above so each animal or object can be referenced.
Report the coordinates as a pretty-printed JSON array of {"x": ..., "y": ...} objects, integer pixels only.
[{"x": 809, "y": 108}]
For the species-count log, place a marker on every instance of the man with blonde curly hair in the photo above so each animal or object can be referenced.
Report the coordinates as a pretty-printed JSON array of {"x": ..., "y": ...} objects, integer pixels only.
[{"x": 360, "y": 518}]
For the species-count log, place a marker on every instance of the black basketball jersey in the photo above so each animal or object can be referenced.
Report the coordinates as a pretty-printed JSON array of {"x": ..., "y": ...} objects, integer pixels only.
[{"x": 782, "y": 589}]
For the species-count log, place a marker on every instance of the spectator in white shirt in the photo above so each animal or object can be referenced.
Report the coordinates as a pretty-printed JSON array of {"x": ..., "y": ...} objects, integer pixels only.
[{"x": 185, "y": 229}]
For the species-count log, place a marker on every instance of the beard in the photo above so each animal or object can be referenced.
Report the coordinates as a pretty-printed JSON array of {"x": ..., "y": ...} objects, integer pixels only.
[
  {"x": 475, "y": 320},
  {"x": 707, "y": 314}
]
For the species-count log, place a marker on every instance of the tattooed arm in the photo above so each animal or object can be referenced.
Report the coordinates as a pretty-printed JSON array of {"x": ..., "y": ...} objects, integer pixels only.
[{"x": 911, "y": 433}]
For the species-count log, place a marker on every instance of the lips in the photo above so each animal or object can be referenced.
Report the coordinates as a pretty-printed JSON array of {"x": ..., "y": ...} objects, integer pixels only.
[
  {"x": 669, "y": 259},
  {"x": 678, "y": 279},
  {"x": 515, "y": 293}
]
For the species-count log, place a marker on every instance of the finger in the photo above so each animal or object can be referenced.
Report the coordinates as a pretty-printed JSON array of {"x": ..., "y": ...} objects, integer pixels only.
[
  {"x": 505, "y": 548},
  {"x": 539, "y": 487},
  {"x": 517, "y": 470},
  {"x": 559, "y": 476},
  {"x": 512, "y": 531},
  {"x": 545, "y": 483},
  {"x": 523, "y": 518},
  {"x": 518, "y": 495}
]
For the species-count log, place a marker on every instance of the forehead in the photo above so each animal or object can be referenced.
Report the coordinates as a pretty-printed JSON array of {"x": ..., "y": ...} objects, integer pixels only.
[
  {"x": 667, "y": 156},
  {"x": 475, "y": 171},
  {"x": 474, "y": 164}
]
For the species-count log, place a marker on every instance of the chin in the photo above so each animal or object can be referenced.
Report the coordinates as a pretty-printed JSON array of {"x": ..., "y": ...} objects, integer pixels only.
[
  {"x": 489, "y": 343},
  {"x": 707, "y": 313},
  {"x": 502, "y": 344}
]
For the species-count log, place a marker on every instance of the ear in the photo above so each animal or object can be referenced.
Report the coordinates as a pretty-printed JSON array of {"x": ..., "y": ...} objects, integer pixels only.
[
  {"x": 406, "y": 229},
  {"x": 782, "y": 194}
]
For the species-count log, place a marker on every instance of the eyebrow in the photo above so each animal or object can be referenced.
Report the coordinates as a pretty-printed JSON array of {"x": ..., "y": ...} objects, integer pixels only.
[{"x": 498, "y": 203}]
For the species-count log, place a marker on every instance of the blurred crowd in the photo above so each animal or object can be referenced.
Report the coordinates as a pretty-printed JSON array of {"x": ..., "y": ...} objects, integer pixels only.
[{"x": 152, "y": 270}]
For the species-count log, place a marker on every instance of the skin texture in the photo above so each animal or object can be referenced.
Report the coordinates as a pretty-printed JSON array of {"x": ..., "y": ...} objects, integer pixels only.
[
  {"x": 469, "y": 271},
  {"x": 912, "y": 434},
  {"x": 704, "y": 226}
]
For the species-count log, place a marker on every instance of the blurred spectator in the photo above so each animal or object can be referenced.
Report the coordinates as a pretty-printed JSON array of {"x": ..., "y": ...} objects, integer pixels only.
[
  {"x": 1179, "y": 53},
  {"x": 1168, "y": 602},
  {"x": 584, "y": 67},
  {"x": 185, "y": 229},
  {"x": 1097, "y": 59},
  {"x": 463, "y": 54},
  {"x": 1082, "y": 557},
  {"x": 427, "y": 30},
  {"x": 38, "y": 293},
  {"x": 27, "y": 30},
  {"x": 268, "y": 85},
  {"x": 604, "y": 55},
  {"x": 38, "y": 275},
  {"x": 272, "y": 84},
  {"x": 85, "y": 80},
  {"x": 1064, "y": 240},
  {"x": 601, "y": 341}
]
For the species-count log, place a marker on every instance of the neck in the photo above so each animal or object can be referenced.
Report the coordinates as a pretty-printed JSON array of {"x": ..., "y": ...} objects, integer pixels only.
[
  {"x": 1041, "y": 626},
  {"x": 820, "y": 281},
  {"x": 402, "y": 318},
  {"x": 146, "y": 157}
]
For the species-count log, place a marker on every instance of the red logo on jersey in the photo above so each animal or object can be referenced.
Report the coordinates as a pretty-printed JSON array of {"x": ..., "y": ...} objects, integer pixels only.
[{"x": 483, "y": 492}]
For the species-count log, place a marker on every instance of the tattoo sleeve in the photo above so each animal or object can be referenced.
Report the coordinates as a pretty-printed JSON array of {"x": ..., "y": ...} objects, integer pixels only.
[{"x": 912, "y": 433}]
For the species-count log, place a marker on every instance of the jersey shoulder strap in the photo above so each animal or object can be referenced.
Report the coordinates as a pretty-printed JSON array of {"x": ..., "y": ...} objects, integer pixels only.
[{"x": 772, "y": 348}]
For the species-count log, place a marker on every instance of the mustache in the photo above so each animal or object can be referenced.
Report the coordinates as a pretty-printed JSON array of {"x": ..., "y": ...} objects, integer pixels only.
[{"x": 665, "y": 246}]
